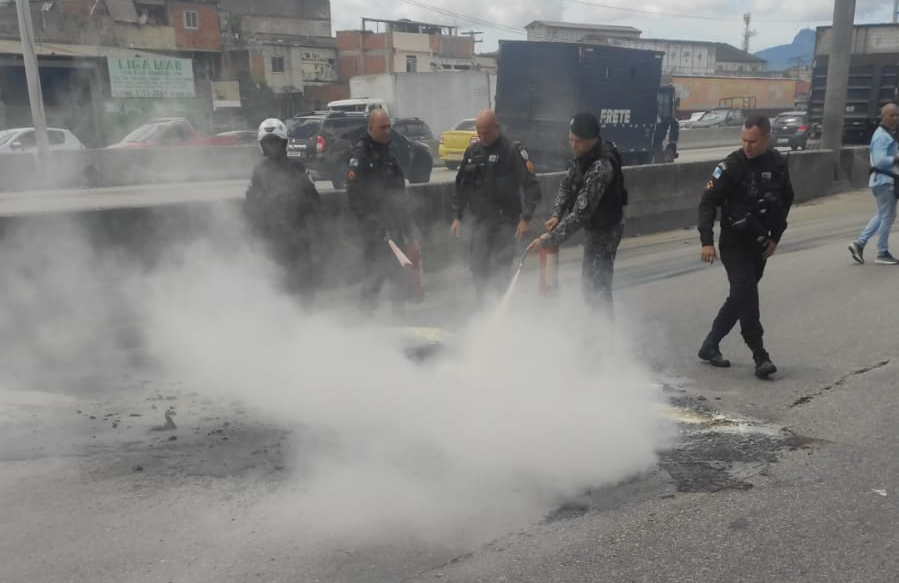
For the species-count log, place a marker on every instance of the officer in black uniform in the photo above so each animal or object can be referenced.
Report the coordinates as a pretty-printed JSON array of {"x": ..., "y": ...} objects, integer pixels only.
[
  {"x": 282, "y": 207},
  {"x": 491, "y": 177},
  {"x": 591, "y": 196},
  {"x": 752, "y": 188},
  {"x": 376, "y": 190}
]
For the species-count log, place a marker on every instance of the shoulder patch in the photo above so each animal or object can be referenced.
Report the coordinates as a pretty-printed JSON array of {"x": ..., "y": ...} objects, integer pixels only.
[
  {"x": 351, "y": 175},
  {"x": 709, "y": 185},
  {"x": 719, "y": 170},
  {"x": 530, "y": 166}
]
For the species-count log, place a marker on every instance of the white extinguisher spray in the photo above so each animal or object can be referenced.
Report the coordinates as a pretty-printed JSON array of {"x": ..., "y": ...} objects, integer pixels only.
[{"x": 549, "y": 271}]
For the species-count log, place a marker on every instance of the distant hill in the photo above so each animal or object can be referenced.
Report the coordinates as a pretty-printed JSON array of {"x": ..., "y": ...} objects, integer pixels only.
[{"x": 782, "y": 57}]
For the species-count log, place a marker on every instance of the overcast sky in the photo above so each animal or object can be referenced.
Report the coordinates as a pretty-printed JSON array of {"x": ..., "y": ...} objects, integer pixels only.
[{"x": 776, "y": 22}]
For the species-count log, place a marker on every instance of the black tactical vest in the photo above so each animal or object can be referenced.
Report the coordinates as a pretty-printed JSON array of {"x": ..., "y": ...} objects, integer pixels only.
[
  {"x": 610, "y": 210},
  {"x": 492, "y": 178},
  {"x": 760, "y": 187}
]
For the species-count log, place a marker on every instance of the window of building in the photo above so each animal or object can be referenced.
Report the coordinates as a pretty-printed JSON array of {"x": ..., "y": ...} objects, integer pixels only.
[
  {"x": 277, "y": 64},
  {"x": 411, "y": 63},
  {"x": 191, "y": 19},
  {"x": 152, "y": 14}
]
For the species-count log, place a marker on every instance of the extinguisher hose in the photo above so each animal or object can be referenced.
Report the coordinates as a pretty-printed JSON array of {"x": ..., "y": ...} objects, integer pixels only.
[{"x": 524, "y": 257}]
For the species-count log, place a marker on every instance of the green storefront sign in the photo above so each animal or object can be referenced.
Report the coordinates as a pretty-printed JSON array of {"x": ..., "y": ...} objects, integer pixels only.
[{"x": 151, "y": 77}]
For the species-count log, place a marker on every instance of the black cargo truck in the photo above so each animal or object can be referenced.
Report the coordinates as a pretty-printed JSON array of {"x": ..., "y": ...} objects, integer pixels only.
[
  {"x": 873, "y": 79},
  {"x": 540, "y": 85}
]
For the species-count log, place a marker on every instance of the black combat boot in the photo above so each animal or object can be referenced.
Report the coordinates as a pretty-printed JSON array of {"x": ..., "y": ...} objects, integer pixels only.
[
  {"x": 713, "y": 356},
  {"x": 764, "y": 368}
]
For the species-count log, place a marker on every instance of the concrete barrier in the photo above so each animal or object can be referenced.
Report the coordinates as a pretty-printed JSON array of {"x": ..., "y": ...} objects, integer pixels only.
[
  {"x": 662, "y": 197},
  {"x": 855, "y": 164},
  {"x": 694, "y": 139}
]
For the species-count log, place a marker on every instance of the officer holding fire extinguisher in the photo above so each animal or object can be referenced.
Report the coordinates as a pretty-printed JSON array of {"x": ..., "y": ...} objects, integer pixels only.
[
  {"x": 498, "y": 184},
  {"x": 591, "y": 196}
]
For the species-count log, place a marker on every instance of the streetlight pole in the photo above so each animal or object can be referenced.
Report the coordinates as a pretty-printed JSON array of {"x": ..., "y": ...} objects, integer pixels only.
[
  {"x": 33, "y": 79},
  {"x": 838, "y": 61}
]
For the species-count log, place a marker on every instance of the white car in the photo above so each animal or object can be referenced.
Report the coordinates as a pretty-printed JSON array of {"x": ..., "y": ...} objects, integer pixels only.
[
  {"x": 18, "y": 140},
  {"x": 694, "y": 117}
]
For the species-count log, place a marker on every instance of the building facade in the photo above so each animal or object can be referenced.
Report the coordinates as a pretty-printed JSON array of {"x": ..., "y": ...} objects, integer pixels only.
[
  {"x": 681, "y": 57},
  {"x": 405, "y": 46}
]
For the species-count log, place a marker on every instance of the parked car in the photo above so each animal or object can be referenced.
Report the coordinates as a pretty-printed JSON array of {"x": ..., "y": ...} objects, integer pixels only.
[
  {"x": 454, "y": 142},
  {"x": 694, "y": 117},
  {"x": 322, "y": 141},
  {"x": 413, "y": 128},
  {"x": 790, "y": 128},
  {"x": 244, "y": 137},
  {"x": 171, "y": 131},
  {"x": 24, "y": 140},
  {"x": 719, "y": 118}
]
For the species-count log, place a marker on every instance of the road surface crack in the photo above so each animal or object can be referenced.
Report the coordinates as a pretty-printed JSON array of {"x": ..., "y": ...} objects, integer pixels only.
[{"x": 840, "y": 382}]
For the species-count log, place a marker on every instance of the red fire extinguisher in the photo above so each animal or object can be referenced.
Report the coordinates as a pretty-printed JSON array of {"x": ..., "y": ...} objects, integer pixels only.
[
  {"x": 549, "y": 271},
  {"x": 416, "y": 280}
]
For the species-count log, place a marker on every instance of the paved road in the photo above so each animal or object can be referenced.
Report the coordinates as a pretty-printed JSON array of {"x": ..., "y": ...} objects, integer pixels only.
[{"x": 305, "y": 451}]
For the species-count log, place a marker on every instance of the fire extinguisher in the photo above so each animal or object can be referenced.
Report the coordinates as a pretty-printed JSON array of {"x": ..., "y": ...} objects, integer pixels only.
[
  {"x": 549, "y": 271},
  {"x": 416, "y": 280}
]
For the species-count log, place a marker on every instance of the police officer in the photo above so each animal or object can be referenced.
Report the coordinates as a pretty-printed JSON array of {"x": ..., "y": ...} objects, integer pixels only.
[
  {"x": 591, "y": 196},
  {"x": 282, "y": 206},
  {"x": 752, "y": 188},
  {"x": 376, "y": 190},
  {"x": 491, "y": 177}
]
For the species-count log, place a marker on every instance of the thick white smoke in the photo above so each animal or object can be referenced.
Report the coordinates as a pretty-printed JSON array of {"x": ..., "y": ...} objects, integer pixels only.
[{"x": 520, "y": 412}]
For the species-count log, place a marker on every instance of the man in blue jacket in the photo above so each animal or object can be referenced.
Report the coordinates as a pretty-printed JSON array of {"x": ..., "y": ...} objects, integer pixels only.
[{"x": 884, "y": 160}]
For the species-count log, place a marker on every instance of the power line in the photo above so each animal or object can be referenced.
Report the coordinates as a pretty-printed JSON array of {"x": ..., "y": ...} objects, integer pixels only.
[
  {"x": 688, "y": 16},
  {"x": 465, "y": 17}
]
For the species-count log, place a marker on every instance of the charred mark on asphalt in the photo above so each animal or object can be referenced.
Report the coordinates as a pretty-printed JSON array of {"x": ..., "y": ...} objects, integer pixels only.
[
  {"x": 839, "y": 382},
  {"x": 721, "y": 452},
  {"x": 716, "y": 452}
]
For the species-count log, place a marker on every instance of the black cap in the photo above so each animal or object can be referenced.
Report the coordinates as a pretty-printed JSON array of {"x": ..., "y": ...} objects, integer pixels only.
[{"x": 584, "y": 125}]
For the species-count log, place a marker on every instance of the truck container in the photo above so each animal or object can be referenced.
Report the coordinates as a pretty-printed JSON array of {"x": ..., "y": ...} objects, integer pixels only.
[
  {"x": 540, "y": 85},
  {"x": 439, "y": 98},
  {"x": 873, "y": 78},
  {"x": 766, "y": 95}
]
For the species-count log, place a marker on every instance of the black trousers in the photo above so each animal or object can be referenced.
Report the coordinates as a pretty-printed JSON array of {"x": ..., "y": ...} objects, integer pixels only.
[
  {"x": 745, "y": 267},
  {"x": 492, "y": 254},
  {"x": 381, "y": 265}
]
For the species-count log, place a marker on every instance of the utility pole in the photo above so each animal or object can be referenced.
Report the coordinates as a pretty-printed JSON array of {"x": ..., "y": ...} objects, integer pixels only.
[
  {"x": 33, "y": 79},
  {"x": 895, "y": 10},
  {"x": 474, "y": 34},
  {"x": 838, "y": 60},
  {"x": 747, "y": 18}
]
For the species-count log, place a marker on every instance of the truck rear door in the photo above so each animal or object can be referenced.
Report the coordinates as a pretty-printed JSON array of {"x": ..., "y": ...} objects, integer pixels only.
[{"x": 537, "y": 91}]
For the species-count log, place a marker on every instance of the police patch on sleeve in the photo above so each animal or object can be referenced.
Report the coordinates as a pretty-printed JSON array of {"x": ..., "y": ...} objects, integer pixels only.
[
  {"x": 719, "y": 170},
  {"x": 351, "y": 175},
  {"x": 709, "y": 185},
  {"x": 530, "y": 166}
]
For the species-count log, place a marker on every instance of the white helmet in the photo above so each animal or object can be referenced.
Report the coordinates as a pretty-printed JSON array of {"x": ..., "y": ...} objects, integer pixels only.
[{"x": 272, "y": 127}]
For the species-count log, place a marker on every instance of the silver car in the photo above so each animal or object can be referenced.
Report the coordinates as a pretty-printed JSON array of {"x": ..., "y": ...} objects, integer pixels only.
[{"x": 19, "y": 140}]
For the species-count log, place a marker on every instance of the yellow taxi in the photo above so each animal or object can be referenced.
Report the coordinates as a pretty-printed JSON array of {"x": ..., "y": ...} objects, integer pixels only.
[{"x": 454, "y": 143}]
